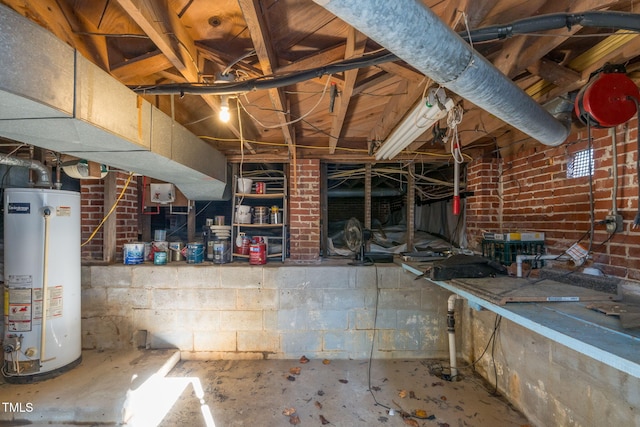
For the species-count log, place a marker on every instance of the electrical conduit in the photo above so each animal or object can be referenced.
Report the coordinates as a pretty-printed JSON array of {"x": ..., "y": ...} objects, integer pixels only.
[{"x": 451, "y": 330}]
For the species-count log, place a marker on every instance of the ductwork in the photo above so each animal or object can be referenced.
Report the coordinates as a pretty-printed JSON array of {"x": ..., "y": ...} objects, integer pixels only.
[
  {"x": 416, "y": 35},
  {"x": 53, "y": 98},
  {"x": 44, "y": 177}
]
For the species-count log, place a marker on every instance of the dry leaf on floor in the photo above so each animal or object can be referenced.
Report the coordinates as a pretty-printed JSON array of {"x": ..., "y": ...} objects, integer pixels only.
[
  {"x": 294, "y": 419},
  {"x": 326, "y": 361},
  {"x": 343, "y": 381},
  {"x": 294, "y": 371},
  {"x": 410, "y": 422},
  {"x": 290, "y": 377},
  {"x": 443, "y": 398},
  {"x": 420, "y": 413},
  {"x": 412, "y": 395},
  {"x": 304, "y": 359},
  {"x": 323, "y": 420},
  {"x": 318, "y": 405},
  {"x": 320, "y": 393},
  {"x": 289, "y": 411},
  {"x": 402, "y": 394},
  {"x": 375, "y": 388}
]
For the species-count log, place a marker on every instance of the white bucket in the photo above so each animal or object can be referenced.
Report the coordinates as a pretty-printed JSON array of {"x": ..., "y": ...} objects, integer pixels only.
[
  {"x": 243, "y": 214},
  {"x": 244, "y": 185},
  {"x": 133, "y": 253}
]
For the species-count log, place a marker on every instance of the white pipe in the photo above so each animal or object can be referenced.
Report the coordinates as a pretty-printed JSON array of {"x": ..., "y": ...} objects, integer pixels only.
[
  {"x": 520, "y": 258},
  {"x": 451, "y": 323}
]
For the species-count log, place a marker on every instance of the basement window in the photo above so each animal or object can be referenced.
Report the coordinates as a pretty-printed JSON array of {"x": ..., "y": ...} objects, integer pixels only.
[{"x": 581, "y": 164}]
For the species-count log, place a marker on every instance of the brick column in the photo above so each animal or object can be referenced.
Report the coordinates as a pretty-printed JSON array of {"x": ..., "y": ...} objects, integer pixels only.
[
  {"x": 483, "y": 209},
  {"x": 304, "y": 211},
  {"x": 93, "y": 210}
]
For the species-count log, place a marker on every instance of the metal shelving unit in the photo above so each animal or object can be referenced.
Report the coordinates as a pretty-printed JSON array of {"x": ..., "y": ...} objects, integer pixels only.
[{"x": 275, "y": 195}]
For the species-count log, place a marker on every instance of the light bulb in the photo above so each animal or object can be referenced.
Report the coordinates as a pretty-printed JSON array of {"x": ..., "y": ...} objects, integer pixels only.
[{"x": 224, "y": 114}]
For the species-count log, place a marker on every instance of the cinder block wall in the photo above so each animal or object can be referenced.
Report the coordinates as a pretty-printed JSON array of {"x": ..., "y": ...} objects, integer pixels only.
[
  {"x": 271, "y": 311},
  {"x": 550, "y": 383}
]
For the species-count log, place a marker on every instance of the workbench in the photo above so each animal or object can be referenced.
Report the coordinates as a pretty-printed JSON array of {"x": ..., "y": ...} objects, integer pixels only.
[{"x": 567, "y": 321}]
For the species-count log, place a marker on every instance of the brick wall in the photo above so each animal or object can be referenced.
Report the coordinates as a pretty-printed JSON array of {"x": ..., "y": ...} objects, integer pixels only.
[
  {"x": 304, "y": 211},
  {"x": 93, "y": 211},
  {"x": 531, "y": 191}
]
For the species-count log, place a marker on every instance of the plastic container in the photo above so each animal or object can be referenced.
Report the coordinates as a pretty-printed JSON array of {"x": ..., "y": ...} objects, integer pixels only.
[
  {"x": 244, "y": 185},
  {"x": 160, "y": 235}
]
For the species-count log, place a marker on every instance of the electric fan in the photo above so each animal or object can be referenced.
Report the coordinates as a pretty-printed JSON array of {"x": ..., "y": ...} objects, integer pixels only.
[{"x": 356, "y": 238}]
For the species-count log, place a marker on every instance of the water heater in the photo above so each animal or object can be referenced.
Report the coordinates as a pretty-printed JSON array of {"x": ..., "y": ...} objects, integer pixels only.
[{"x": 42, "y": 333}]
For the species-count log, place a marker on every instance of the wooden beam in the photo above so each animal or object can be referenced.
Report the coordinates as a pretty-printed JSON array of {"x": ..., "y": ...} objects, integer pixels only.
[
  {"x": 109, "y": 227},
  {"x": 356, "y": 43},
  {"x": 268, "y": 61},
  {"x": 554, "y": 73},
  {"x": 143, "y": 65}
]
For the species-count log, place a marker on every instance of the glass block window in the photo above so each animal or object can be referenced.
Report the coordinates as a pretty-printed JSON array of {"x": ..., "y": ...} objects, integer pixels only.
[{"x": 581, "y": 164}]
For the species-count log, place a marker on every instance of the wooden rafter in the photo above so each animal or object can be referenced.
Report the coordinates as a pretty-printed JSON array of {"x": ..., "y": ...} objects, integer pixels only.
[
  {"x": 163, "y": 27},
  {"x": 356, "y": 43},
  {"x": 268, "y": 61}
]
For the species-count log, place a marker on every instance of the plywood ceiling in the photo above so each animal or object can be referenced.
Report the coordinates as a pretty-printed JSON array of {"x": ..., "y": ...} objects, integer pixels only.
[{"x": 159, "y": 42}]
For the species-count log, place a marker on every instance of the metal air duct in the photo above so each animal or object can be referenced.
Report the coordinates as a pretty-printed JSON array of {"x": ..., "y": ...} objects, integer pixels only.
[
  {"x": 53, "y": 98},
  {"x": 416, "y": 35}
]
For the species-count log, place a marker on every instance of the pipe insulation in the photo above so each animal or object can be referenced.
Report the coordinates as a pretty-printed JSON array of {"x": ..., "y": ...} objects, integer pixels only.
[
  {"x": 44, "y": 177},
  {"x": 417, "y": 35}
]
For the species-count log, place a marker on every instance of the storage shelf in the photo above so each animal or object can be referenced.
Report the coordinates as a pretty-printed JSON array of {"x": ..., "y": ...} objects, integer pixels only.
[
  {"x": 276, "y": 194},
  {"x": 260, "y": 196},
  {"x": 253, "y": 225}
]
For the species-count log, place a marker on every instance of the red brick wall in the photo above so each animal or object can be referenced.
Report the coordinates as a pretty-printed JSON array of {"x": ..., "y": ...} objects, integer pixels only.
[
  {"x": 304, "y": 211},
  {"x": 93, "y": 210},
  {"x": 531, "y": 191}
]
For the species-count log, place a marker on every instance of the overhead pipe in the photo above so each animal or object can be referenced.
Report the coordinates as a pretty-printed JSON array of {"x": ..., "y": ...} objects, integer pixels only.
[
  {"x": 43, "y": 178},
  {"x": 554, "y": 21},
  {"x": 417, "y": 35}
]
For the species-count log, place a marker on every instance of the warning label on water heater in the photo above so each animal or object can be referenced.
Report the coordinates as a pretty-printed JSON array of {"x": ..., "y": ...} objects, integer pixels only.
[{"x": 20, "y": 309}]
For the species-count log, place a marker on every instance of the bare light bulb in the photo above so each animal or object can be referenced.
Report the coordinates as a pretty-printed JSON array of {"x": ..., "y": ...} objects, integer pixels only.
[{"x": 224, "y": 114}]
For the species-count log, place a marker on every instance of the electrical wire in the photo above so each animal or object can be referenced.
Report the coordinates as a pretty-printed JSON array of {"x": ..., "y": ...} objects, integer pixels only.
[
  {"x": 113, "y": 207},
  {"x": 279, "y": 125}
]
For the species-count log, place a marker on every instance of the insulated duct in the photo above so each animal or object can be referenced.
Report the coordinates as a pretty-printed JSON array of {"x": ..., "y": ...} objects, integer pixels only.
[
  {"x": 416, "y": 35},
  {"x": 44, "y": 177},
  {"x": 54, "y": 98}
]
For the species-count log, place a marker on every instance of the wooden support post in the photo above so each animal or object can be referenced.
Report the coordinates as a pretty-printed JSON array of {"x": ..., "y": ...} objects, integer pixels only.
[
  {"x": 109, "y": 230},
  {"x": 367, "y": 200},
  {"x": 324, "y": 210},
  {"x": 411, "y": 207},
  {"x": 191, "y": 222}
]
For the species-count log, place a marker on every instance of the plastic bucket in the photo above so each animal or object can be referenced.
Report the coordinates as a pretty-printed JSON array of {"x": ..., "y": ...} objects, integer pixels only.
[
  {"x": 133, "y": 253},
  {"x": 244, "y": 185},
  {"x": 195, "y": 253},
  {"x": 243, "y": 214}
]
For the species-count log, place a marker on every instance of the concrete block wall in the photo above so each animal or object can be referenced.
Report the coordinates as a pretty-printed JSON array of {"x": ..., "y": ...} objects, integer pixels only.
[
  {"x": 551, "y": 384},
  {"x": 272, "y": 311}
]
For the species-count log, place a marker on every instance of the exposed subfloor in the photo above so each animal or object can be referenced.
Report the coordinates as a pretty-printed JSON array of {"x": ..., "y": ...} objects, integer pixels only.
[{"x": 257, "y": 393}]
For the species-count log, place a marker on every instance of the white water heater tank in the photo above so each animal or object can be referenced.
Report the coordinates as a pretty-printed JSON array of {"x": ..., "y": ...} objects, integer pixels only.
[{"x": 42, "y": 283}]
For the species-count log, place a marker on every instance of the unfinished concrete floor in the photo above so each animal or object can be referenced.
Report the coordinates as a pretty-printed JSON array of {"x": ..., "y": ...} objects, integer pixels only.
[{"x": 255, "y": 393}]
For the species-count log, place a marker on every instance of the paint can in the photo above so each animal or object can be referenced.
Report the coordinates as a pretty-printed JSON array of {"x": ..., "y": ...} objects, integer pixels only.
[
  {"x": 261, "y": 187},
  {"x": 242, "y": 244},
  {"x": 175, "y": 249},
  {"x": 219, "y": 220},
  {"x": 160, "y": 258},
  {"x": 221, "y": 251},
  {"x": 195, "y": 253},
  {"x": 133, "y": 253},
  {"x": 258, "y": 253}
]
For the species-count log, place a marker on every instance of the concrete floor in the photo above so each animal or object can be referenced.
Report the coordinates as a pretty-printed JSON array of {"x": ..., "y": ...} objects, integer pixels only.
[{"x": 108, "y": 386}]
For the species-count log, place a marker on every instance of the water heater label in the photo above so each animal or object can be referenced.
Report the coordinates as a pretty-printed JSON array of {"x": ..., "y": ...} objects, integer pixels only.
[
  {"x": 63, "y": 211},
  {"x": 19, "y": 208}
]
